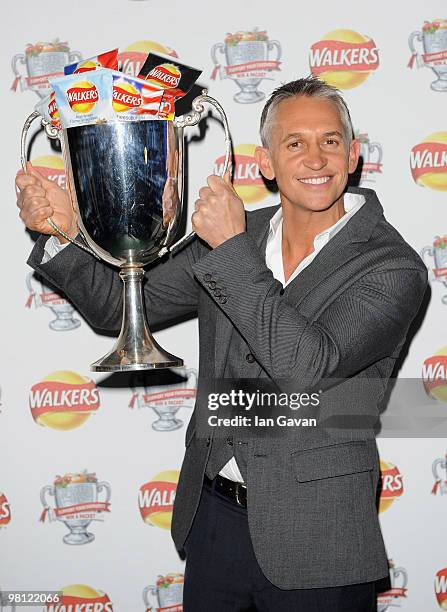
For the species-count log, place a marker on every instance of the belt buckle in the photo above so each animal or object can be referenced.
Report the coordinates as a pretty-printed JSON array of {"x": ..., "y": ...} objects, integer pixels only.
[{"x": 236, "y": 491}]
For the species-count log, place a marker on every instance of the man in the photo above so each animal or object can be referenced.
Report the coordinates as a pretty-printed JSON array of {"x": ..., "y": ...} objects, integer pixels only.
[{"x": 317, "y": 289}]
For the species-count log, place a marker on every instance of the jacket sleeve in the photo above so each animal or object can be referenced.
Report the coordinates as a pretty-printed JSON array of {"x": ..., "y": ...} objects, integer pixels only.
[
  {"x": 365, "y": 323},
  {"x": 95, "y": 289}
]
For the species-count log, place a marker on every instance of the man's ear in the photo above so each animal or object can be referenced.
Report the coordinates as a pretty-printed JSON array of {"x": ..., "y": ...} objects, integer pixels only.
[
  {"x": 262, "y": 157},
  {"x": 354, "y": 153}
]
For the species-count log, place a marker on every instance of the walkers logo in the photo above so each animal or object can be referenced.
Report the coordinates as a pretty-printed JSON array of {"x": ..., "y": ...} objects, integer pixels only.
[
  {"x": 83, "y": 97},
  {"x": 439, "y": 470},
  {"x": 76, "y": 504},
  {"x": 394, "y": 596},
  {"x": 125, "y": 96},
  {"x": 63, "y": 400},
  {"x": 344, "y": 58},
  {"x": 371, "y": 154},
  {"x": 247, "y": 178},
  {"x": 132, "y": 58},
  {"x": 5, "y": 511},
  {"x": 156, "y": 499},
  {"x": 434, "y": 375},
  {"x": 42, "y": 61},
  {"x": 166, "y": 401},
  {"x": 81, "y": 598},
  {"x": 441, "y": 588},
  {"x": 439, "y": 253},
  {"x": 428, "y": 161},
  {"x": 250, "y": 57},
  {"x": 392, "y": 485},
  {"x": 429, "y": 49},
  {"x": 166, "y": 595}
]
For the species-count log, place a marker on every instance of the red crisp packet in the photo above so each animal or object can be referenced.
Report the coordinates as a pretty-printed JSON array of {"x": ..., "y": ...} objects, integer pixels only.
[
  {"x": 169, "y": 74},
  {"x": 133, "y": 99},
  {"x": 49, "y": 111},
  {"x": 104, "y": 60}
]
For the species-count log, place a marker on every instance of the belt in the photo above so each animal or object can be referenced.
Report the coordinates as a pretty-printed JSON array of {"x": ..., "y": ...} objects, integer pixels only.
[{"x": 235, "y": 491}]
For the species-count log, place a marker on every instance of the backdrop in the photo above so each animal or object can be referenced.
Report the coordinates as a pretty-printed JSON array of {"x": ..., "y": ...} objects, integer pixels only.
[{"x": 89, "y": 462}]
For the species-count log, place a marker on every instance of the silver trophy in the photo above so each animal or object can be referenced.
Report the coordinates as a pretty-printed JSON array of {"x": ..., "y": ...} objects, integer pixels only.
[
  {"x": 125, "y": 180},
  {"x": 247, "y": 62},
  {"x": 434, "y": 42},
  {"x": 41, "y": 61},
  {"x": 59, "y": 306},
  {"x": 168, "y": 593},
  {"x": 439, "y": 253},
  {"x": 167, "y": 400},
  {"x": 77, "y": 505},
  {"x": 399, "y": 581},
  {"x": 441, "y": 481}
]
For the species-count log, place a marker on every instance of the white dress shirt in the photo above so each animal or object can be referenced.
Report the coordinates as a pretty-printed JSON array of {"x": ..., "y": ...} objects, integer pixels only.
[{"x": 273, "y": 258}]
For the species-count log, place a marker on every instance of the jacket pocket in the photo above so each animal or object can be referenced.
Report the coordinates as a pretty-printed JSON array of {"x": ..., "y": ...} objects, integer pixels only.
[{"x": 331, "y": 461}]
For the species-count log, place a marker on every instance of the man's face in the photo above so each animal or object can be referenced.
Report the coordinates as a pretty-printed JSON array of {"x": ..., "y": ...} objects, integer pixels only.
[{"x": 308, "y": 155}]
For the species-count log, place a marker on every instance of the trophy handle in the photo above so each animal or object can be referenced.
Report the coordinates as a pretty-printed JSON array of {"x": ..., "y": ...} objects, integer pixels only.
[
  {"x": 147, "y": 591},
  {"x": 74, "y": 56},
  {"x": 46, "y": 489},
  {"x": 274, "y": 44},
  {"x": 18, "y": 78},
  {"x": 414, "y": 36},
  {"x": 193, "y": 118},
  {"x": 436, "y": 462},
  {"x": 53, "y": 133},
  {"x": 105, "y": 485},
  {"x": 400, "y": 571},
  {"x": 375, "y": 146}
]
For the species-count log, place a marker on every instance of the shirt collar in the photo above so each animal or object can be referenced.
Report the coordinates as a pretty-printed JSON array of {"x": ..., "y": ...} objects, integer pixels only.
[{"x": 351, "y": 203}]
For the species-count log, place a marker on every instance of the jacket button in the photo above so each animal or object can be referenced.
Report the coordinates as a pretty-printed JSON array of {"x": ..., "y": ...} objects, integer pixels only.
[
  {"x": 230, "y": 441},
  {"x": 207, "y": 277},
  {"x": 223, "y": 299},
  {"x": 281, "y": 292},
  {"x": 212, "y": 284},
  {"x": 217, "y": 292},
  {"x": 250, "y": 358}
]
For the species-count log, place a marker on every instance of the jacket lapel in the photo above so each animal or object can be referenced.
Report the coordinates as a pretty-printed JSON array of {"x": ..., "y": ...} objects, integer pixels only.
[{"x": 343, "y": 247}]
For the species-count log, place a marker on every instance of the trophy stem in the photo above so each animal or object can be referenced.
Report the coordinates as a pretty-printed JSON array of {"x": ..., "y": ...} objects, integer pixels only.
[{"x": 135, "y": 348}]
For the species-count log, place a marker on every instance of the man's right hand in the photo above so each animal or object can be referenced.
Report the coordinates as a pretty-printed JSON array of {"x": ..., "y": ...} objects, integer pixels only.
[{"x": 39, "y": 199}]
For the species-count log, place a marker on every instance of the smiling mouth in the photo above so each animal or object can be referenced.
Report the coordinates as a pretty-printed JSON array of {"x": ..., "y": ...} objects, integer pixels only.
[{"x": 316, "y": 180}]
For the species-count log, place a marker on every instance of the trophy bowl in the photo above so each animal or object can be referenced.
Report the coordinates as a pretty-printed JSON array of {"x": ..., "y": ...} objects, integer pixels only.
[{"x": 125, "y": 181}]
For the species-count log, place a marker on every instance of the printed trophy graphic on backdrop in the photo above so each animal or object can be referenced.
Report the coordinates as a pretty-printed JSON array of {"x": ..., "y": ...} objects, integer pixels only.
[
  {"x": 439, "y": 470},
  {"x": 432, "y": 40},
  {"x": 167, "y": 592},
  {"x": 438, "y": 252},
  {"x": 42, "y": 60},
  {"x": 77, "y": 504},
  {"x": 166, "y": 400},
  {"x": 250, "y": 57},
  {"x": 41, "y": 295},
  {"x": 393, "y": 597},
  {"x": 371, "y": 154}
]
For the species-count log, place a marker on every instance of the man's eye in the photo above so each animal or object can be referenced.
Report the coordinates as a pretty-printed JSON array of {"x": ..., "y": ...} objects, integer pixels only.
[
  {"x": 332, "y": 142},
  {"x": 294, "y": 144}
]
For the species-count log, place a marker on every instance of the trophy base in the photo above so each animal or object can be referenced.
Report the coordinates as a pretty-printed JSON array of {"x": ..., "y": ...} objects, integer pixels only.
[
  {"x": 248, "y": 97},
  {"x": 152, "y": 359},
  {"x": 165, "y": 425},
  {"x": 439, "y": 85}
]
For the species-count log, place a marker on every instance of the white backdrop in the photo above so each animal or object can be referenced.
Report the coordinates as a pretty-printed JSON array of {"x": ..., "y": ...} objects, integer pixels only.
[{"x": 394, "y": 107}]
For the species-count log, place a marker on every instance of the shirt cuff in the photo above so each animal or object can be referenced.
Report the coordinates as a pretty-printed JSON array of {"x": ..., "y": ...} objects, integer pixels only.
[{"x": 51, "y": 248}]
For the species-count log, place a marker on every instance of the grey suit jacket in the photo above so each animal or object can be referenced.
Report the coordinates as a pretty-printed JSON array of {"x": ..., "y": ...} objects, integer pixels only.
[{"x": 311, "y": 495}]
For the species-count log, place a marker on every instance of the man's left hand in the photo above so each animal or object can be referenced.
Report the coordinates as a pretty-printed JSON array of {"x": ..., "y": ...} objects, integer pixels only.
[{"x": 219, "y": 212}]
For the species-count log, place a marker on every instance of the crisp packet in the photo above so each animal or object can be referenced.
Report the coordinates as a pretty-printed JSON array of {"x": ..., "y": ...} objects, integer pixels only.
[
  {"x": 104, "y": 60},
  {"x": 166, "y": 72},
  {"x": 133, "y": 99},
  {"x": 49, "y": 111},
  {"x": 84, "y": 98}
]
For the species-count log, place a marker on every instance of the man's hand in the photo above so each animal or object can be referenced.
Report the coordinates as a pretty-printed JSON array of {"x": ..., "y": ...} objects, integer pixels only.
[
  {"x": 219, "y": 213},
  {"x": 39, "y": 199}
]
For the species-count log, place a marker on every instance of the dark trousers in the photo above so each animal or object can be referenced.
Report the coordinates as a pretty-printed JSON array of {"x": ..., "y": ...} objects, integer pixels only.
[{"x": 222, "y": 574}]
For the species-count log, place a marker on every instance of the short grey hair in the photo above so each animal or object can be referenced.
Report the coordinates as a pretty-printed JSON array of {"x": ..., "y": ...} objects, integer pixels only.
[{"x": 311, "y": 87}]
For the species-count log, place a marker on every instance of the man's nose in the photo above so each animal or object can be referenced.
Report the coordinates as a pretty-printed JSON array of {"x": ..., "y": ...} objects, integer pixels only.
[{"x": 314, "y": 158}]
